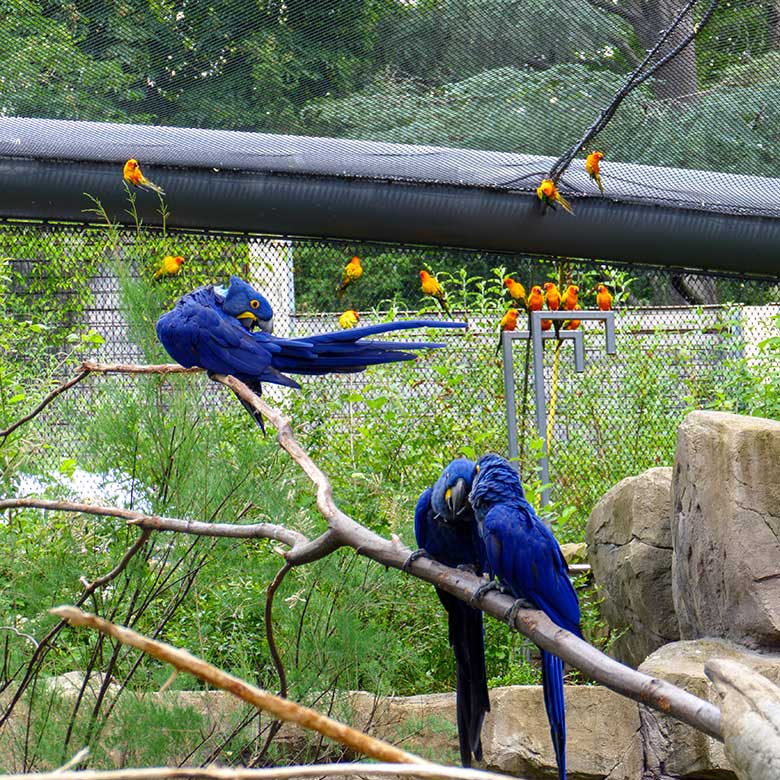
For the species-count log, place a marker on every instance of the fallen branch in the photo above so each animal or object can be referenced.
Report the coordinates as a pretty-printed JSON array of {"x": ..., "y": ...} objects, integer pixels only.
[
  {"x": 430, "y": 771},
  {"x": 282, "y": 709}
]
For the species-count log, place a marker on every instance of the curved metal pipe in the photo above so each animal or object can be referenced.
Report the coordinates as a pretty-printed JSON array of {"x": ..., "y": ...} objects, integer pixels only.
[{"x": 282, "y": 185}]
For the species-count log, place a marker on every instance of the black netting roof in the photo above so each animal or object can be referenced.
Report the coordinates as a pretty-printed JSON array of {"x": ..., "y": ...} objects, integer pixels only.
[
  {"x": 241, "y": 151},
  {"x": 479, "y": 94}
]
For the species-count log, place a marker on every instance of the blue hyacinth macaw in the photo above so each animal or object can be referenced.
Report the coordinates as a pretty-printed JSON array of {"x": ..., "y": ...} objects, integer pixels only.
[
  {"x": 446, "y": 530},
  {"x": 523, "y": 554},
  {"x": 228, "y": 331}
]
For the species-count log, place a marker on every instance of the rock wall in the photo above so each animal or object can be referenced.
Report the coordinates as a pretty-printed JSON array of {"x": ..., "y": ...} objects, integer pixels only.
[{"x": 726, "y": 528}]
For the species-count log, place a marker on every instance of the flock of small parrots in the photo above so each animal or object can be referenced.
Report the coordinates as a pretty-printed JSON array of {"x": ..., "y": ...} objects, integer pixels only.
[
  {"x": 475, "y": 515},
  {"x": 547, "y": 192}
]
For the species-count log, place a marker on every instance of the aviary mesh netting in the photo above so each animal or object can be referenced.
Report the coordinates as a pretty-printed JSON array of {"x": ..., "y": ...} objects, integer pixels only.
[{"x": 500, "y": 76}]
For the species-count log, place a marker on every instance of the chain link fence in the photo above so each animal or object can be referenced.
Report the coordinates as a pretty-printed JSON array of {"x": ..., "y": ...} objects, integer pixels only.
[{"x": 683, "y": 341}]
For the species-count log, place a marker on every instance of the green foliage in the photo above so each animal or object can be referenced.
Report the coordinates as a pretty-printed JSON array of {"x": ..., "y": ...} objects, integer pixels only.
[
  {"x": 485, "y": 111},
  {"x": 179, "y": 446},
  {"x": 45, "y": 69}
]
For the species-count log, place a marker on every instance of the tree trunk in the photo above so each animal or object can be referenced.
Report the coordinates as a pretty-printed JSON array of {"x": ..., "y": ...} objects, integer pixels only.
[{"x": 677, "y": 80}]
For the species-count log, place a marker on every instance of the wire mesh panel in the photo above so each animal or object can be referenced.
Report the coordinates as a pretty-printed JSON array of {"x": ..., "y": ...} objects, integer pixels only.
[{"x": 616, "y": 419}]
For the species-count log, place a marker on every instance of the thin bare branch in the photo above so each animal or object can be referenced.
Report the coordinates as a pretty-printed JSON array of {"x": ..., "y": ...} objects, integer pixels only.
[
  {"x": 269, "y": 627},
  {"x": 280, "y": 708},
  {"x": 429, "y": 771},
  {"x": 121, "y": 566},
  {"x": 43, "y": 404},
  {"x": 16, "y": 631},
  {"x": 45, "y": 645},
  {"x": 273, "y": 729},
  {"x": 156, "y": 523}
]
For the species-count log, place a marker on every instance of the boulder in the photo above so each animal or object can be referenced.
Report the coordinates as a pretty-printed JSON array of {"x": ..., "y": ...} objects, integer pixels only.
[
  {"x": 672, "y": 749},
  {"x": 602, "y": 730},
  {"x": 70, "y": 685},
  {"x": 602, "y": 734},
  {"x": 630, "y": 553},
  {"x": 726, "y": 528},
  {"x": 750, "y": 717},
  {"x": 423, "y": 724}
]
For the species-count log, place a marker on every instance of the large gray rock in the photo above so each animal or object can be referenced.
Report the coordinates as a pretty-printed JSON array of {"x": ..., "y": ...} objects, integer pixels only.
[
  {"x": 672, "y": 749},
  {"x": 630, "y": 552},
  {"x": 750, "y": 718},
  {"x": 602, "y": 730},
  {"x": 726, "y": 528},
  {"x": 602, "y": 734}
]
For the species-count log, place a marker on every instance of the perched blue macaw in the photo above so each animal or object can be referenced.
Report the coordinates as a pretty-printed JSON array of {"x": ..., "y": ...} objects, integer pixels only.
[
  {"x": 523, "y": 554},
  {"x": 213, "y": 327},
  {"x": 446, "y": 529}
]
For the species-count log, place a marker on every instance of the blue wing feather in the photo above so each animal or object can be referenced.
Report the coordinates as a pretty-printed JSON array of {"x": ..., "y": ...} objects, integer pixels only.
[
  {"x": 552, "y": 686},
  {"x": 454, "y": 545}
]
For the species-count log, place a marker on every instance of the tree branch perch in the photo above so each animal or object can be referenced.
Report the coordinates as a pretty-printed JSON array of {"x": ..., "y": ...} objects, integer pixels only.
[{"x": 344, "y": 531}]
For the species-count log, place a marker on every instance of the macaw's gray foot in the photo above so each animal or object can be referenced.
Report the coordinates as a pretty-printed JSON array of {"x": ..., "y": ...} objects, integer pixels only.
[
  {"x": 469, "y": 567},
  {"x": 483, "y": 589},
  {"x": 518, "y": 604},
  {"x": 421, "y": 553}
]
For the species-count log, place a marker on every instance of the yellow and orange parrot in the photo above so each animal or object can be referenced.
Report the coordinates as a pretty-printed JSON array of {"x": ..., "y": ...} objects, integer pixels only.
[
  {"x": 569, "y": 298},
  {"x": 430, "y": 286},
  {"x": 573, "y": 324},
  {"x": 170, "y": 266},
  {"x": 349, "y": 319},
  {"x": 592, "y": 168},
  {"x": 548, "y": 193},
  {"x": 133, "y": 175},
  {"x": 536, "y": 298},
  {"x": 546, "y": 324},
  {"x": 353, "y": 270},
  {"x": 552, "y": 296},
  {"x": 516, "y": 291},
  {"x": 508, "y": 322},
  {"x": 603, "y": 298}
]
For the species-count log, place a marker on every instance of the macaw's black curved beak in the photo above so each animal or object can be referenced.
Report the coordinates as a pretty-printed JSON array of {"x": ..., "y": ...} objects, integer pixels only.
[
  {"x": 457, "y": 498},
  {"x": 250, "y": 321}
]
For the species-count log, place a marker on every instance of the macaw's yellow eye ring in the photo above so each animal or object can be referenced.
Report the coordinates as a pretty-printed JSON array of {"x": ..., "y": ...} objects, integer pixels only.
[
  {"x": 254, "y": 304},
  {"x": 476, "y": 468}
]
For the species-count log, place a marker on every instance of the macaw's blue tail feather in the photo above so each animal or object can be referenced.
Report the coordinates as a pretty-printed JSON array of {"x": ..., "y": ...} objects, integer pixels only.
[
  {"x": 325, "y": 347},
  {"x": 552, "y": 684},
  {"x": 353, "y": 334},
  {"x": 472, "y": 700}
]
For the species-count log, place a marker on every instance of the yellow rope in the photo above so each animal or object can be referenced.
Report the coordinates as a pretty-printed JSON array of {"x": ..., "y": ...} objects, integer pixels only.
[{"x": 553, "y": 393}]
